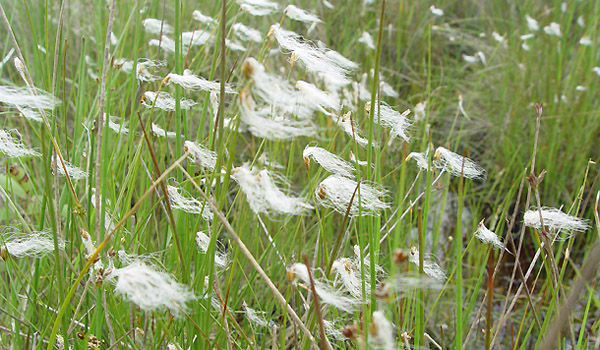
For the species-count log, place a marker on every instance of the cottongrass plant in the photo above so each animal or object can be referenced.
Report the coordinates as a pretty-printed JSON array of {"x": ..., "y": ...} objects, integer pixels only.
[
  {"x": 12, "y": 147},
  {"x": 343, "y": 194},
  {"x": 554, "y": 220},
  {"x": 34, "y": 244}
]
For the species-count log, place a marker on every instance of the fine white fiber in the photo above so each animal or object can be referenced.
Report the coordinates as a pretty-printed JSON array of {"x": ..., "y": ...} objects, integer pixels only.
[
  {"x": 488, "y": 237},
  {"x": 386, "y": 116},
  {"x": 532, "y": 24},
  {"x": 30, "y": 113},
  {"x": 189, "y": 81},
  {"x": 150, "y": 289},
  {"x": 156, "y": 26},
  {"x": 189, "y": 205},
  {"x": 336, "y": 192},
  {"x": 348, "y": 270},
  {"x": 381, "y": 332},
  {"x": 420, "y": 158},
  {"x": 234, "y": 45},
  {"x": 367, "y": 40},
  {"x": 245, "y": 33},
  {"x": 164, "y": 101},
  {"x": 202, "y": 156},
  {"x": 354, "y": 159},
  {"x": 195, "y": 38},
  {"x": 74, "y": 172},
  {"x": 26, "y": 97},
  {"x": 202, "y": 240},
  {"x": 326, "y": 293},
  {"x": 333, "y": 331},
  {"x": 301, "y": 15},
  {"x": 387, "y": 90},
  {"x": 430, "y": 267},
  {"x": 257, "y": 317},
  {"x": 160, "y": 132},
  {"x": 198, "y": 16},
  {"x": 553, "y": 29},
  {"x": 115, "y": 125},
  {"x": 555, "y": 220},
  {"x": 350, "y": 127},
  {"x": 258, "y": 7},
  {"x": 317, "y": 99},
  {"x": 420, "y": 111},
  {"x": 35, "y": 244},
  {"x": 123, "y": 65},
  {"x": 6, "y": 58},
  {"x": 457, "y": 165},
  {"x": 329, "y": 161},
  {"x": 165, "y": 43},
  {"x": 436, "y": 11},
  {"x": 340, "y": 60},
  {"x": 12, "y": 147},
  {"x": 263, "y": 195},
  {"x": 585, "y": 41},
  {"x": 313, "y": 58}
]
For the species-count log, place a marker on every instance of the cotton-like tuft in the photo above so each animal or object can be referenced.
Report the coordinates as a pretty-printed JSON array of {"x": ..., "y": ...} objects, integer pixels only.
[
  {"x": 257, "y": 318},
  {"x": 336, "y": 192},
  {"x": 150, "y": 289},
  {"x": 301, "y": 15},
  {"x": 350, "y": 127},
  {"x": 317, "y": 99},
  {"x": 202, "y": 240},
  {"x": 327, "y": 294},
  {"x": 189, "y": 205},
  {"x": 397, "y": 122},
  {"x": 34, "y": 244},
  {"x": 436, "y": 11},
  {"x": 555, "y": 220},
  {"x": 201, "y": 155},
  {"x": 156, "y": 26},
  {"x": 430, "y": 267},
  {"x": 23, "y": 97},
  {"x": 12, "y": 147},
  {"x": 189, "y": 81},
  {"x": 258, "y": 7},
  {"x": 457, "y": 165},
  {"x": 553, "y": 29},
  {"x": 164, "y": 101},
  {"x": 532, "y": 24},
  {"x": 488, "y": 237},
  {"x": 145, "y": 69},
  {"x": 263, "y": 194},
  {"x": 329, "y": 161},
  {"x": 348, "y": 270},
  {"x": 420, "y": 158},
  {"x": 117, "y": 127},
  {"x": 381, "y": 332},
  {"x": 160, "y": 132},
  {"x": 198, "y": 16},
  {"x": 367, "y": 40},
  {"x": 245, "y": 33},
  {"x": 74, "y": 172}
]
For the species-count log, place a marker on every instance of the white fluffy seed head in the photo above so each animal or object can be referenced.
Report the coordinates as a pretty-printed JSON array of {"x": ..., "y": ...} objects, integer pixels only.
[
  {"x": 146, "y": 68},
  {"x": 329, "y": 161},
  {"x": 553, "y": 29},
  {"x": 381, "y": 331},
  {"x": 317, "y": 99},
  {"x": 156, "y": 26},
  {"x": 457, "y": 165},
  {"x": 301, "y": 15},
  {"x": 336, "y": 192},
  {"x": 74, "y": 172},
  {"x": 245, "y": 33},
  {"x": 198, "y": 16},
  {"x": 487, "y": 236},
  {"x": 263, "y": 194},
  {"x": 555, "y": 220},
  {"x": 12, "y": 147},
  {"x": 189, "y": 81},
  {"x": 189, "y": 205},
  {"x": 258, "y": 7},
  {"x": 202, "y": 240},
  {"x": 24, "y": 98},
  {"x": 257, "y": 318},
  {"x": 350, "y": 127},
  {"x": 349, "y": 271},
  {"x": 201, "y": 155},
  {"x": 420, "y": 158},
  {"x": 164, "y": 101},
  {"x": 160, "y": 132},
  {"x": 151, "y": 289},
  {"x": 532, "y": 24},
  {"x": 327, "y": 294},
  {"x": 115, "y": 126},
  {"x": 35, "y": 244},
  {"x": 397, "y": 122},
  {"x": 367, "y": 40},
  {"x": 430, "y": 267}
]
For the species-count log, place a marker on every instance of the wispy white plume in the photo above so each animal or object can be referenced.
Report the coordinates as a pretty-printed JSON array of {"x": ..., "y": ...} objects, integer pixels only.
[
  {"x": 145, "y": 69},
  {"x": 532, "y": 24},
  {"x": 527, "y": 36},
  {"x": 195, "y": 38},
  {"x": 457, "y": 165},
  {"x": 12, "y": 147},
  {"x": 389, "y": 118},
  {"x": 348, "y": 270},
  {"x": 585, "y": 41},
  {"x": 301, "y": 15},
  {"x": 430, "y": 267},
  {"x": 263, "y": 194},
  {"x": 202, "y": 240},
  {"x": 479, "y": 56},
  {"x": 116, "y": 126},
  {"x": 262, "y": 122},
  {"x": 151, "y": 289},
  {"x": 165, "y": 42},
  {"x": 553, "y": 29},
  {"x": 353, "y": 158},
  {"x": 153, "y": 26},
  {"x": 258, "y": 7},
  {"x": 487, "y": 236},
  {"x": 160, "y": 132},
  {"x": 189, "y": 205},
  {"x": 23, "y": 97},
  {"x": 164, "y": 101},
  {"x": 381, "y": 332},
  {"x": 436, "y": 11},
  {"x": 367, "y": 40},
  {"x": 7, "y": 57},
  {"x": 30, "y": 113},
  {"x": 328, "y": 4},
  {"x": 387, "y": 90},
  {"x": 123, "y": 65},
  {"x": 201, "y": 155},
  {"x": 33, "y": 244},
  {"x": 596, "y": 70},
  {"x": 336, "y": 191},
  {"x": 313, "y": 58},
  {"x": 350, "y": 127},
  {"x": 420, "y": 111},
  {"x": 580, "y": 21},
  {"x": 234, "y": 45},
  {"x": 555, "y": 220},
  {"x": 194, "y": 82},
  {"x": 246, "y": 33},
  {"x": 74, "y": 172},
  {"x": 317, "y": 99},
  {"x": 499, "y": 38},
  {"x": 256, "y": 317},
  {"x": 326, "y": 293},
  {"x": 331, "y": 162},
  {"x": 333, "y": 331},
  {"x": 198, "y": 16},
  {"x": 340, "y": 60},
  {"x": 420, "y": 158}
]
